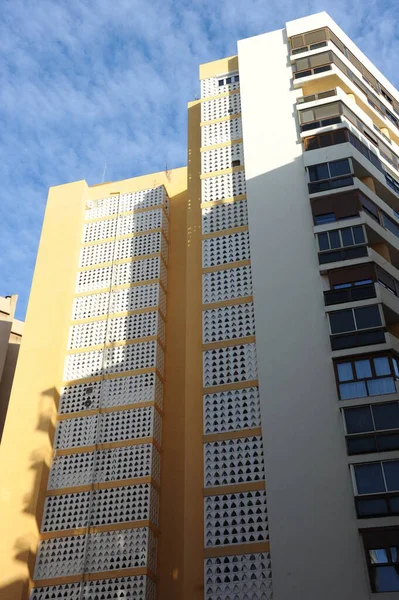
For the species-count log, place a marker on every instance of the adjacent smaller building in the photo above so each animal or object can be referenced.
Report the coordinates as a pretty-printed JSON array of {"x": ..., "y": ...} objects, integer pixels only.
[{"x": 10, "y": 339}]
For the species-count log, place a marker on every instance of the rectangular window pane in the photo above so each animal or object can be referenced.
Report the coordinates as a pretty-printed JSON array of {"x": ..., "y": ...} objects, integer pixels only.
[
  {"x": 379, "y": 387},
  {"x": 367, "y": 316},
  {"x": 356, "y": 389},
  {"x": 324, "y": 244},
  {"x": 394, "y": 554},
  {"x": 335, "y": 241},
  {"x": 342, "y": 321},
  {"x": 386, "y": 416},
  {"x": 318, "y": 172},
  {"x": 340, "y": 167},
  {"x": 378, "y": 556},
  {"x": 391, "y": 470},
  {"x": 395, "y": 367},
  {"x": 322, "y": 219},
  {"x": 358, "y": 234},
  {"x": 345, "y": 372},
  {"x": 358, "y": 420},
  {"x": 363, "y": 369},
  {"x": 347, "y": 236},
  {"x": 381, "y": 365},
  {"x": 385, "y": 579},
  {"x": 369, "y": 478}
]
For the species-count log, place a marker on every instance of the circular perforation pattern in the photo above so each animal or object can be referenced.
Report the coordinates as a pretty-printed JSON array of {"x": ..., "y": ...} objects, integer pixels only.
[
  {"x": 228, "y": 322},
  {"x": 230, "y": 365},
  {"x": 236, "y": 518},
  {"x": 224, "y": 216},
  {"x": 225, "y": 249},
  {"x": 246, "y": 576},
  {"x": 221, "y": 158},
  {"x": 227, "y": 284},
  {"x": 231, "y": 410},
  {"x": 229, "y": 462},
  {"x": 218, "y": 133},
  {"x": 221, "y": 107},
  {"x": 219, "y": 187}
]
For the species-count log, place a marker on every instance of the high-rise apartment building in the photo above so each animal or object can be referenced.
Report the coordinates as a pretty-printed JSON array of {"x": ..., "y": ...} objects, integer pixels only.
[{"x": 206, "y": 405}]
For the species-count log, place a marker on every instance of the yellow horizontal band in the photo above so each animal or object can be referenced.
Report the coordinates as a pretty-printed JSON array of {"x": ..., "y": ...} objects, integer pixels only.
[
  {"x": 227, "y": 387},
  {"x": 222, "y": 232},
  {"x": 222, "y": 172},
  {"x": 223, "y": 201},
  {"x": 221, "y": 145},
  {"x": 251, "y": 339},
  {"x": 249, "y": 486},
  {"x": 233, "y": 265},
  {"x": 230, "y": 302}
]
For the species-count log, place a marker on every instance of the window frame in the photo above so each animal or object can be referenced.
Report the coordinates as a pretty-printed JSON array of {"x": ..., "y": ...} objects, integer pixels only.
[{"x": 394, "y": 373}]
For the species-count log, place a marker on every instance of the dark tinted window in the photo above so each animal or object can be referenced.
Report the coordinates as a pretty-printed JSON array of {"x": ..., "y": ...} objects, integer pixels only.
[
  {"x": 342, "y": 321},
  {"x": 368, "y": 316},
  {"x": 391, "y": 470},
  {"x": 358, "y": 420},
  {"x": 369, "y": 478},
  {"x": 340, "y": 167},
  {"x": 347, "y": 237},
  {"x": 323, "y": 241},
  {"x": 386, "y": 416},
  {"x": 322, "y": 219},
  {"x": 318, "y": 172},
  {"x": 335, "y": 241},
  {"x": 358, "y": 234}
]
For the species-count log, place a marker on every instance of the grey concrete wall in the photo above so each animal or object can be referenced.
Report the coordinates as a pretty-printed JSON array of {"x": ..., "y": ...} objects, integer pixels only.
[{"x": 316, "y": 550}]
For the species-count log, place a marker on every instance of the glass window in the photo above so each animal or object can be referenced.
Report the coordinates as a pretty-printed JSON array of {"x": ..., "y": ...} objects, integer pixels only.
[
  {"x": 369, "y": 478},
  {"x": 391, "y": 471},
  {"x": 335, "y": 241},
  {"x": 340, "y": 167},
  {"x": 345, "y": 372},
  {"x": 306, "y": 116},
  {"x": 358, "y": 234},
  {"x": 236, "y": 78},
  {"x": 381, "y": 386},
  {"x": 342, "y": 321},
  {"x": 324, "y": 244},
  {"x": 347, "y": 236},
  {"x": 367, "y": 316},
  {"x": 220, "y": 82},
  {"x": 385, "y": 578},
  {"x": 363, "y": 282},
  {"x": 358, "y": 420},
  {"x": 363, "y": 369},
  {"x": 355, "y": 389},
  {"x": 228, "y": 80},
  {"x": 381, "y": 365},
  {"x": 322, "y": 219},
  {"x": 378, "y": 556},
  {"x": 317, "y": 172},
  {"x": 386, "y": 416},
  {"x": 342, "y": 286},
  {"x": 394, "y": 553},
  {"x": 395, "y": 367}
]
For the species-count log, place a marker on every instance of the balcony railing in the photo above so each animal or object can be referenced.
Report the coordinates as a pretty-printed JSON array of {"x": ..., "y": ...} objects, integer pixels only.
[
  {"x": 368, "y": 337},
  {"x": 377, "y": 505},
  {"x": 352, "y": 294}
]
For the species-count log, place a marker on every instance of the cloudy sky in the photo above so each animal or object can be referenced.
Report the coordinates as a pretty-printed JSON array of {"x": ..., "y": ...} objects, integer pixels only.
[{"x": 89, "y": 82}]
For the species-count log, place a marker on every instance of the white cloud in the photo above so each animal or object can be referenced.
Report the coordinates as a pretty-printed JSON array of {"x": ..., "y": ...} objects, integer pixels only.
[{"x": 86, "y": 82}]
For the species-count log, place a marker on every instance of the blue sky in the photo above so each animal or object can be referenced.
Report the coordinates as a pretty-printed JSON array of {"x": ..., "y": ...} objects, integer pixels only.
[{"x": 84, "y": 82}]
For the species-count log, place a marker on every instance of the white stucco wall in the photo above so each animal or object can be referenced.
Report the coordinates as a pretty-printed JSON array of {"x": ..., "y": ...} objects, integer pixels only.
[{"x": 316, "y": 549}]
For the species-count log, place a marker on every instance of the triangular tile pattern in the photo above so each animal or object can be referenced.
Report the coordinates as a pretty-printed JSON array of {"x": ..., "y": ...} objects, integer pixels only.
[{"x": 241, "y": 517}]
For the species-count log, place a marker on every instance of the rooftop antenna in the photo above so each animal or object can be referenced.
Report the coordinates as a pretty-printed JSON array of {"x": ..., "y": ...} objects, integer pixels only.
[
  {"x": 105, "y": 168},
  {"x": 167, "y": 173}
]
